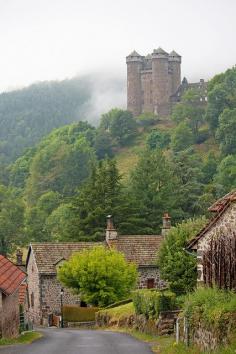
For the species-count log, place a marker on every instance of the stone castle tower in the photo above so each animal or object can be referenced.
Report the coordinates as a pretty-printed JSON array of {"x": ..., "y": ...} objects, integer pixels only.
[{"x": 152, "y": 81}]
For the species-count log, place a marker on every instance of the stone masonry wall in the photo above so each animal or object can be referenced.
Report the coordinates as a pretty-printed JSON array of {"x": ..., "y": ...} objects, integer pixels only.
[
  {"x": 51, "y": 299},
  {"x": 9, "y": 315},
  {"x": 33, "y": 279},
  {"x": 146, "y": 273},
  {"x": 226, "y": 223}
]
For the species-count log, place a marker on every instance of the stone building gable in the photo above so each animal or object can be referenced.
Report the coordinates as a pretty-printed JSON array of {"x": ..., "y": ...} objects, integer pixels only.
[
  {"x": 224, "y": 218},
  {"x": 34, "y": 289},
  {"x": 222, "y": 223}
]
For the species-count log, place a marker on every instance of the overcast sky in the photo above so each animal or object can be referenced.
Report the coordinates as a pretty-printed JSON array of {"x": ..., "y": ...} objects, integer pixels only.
[{"x": 54, "y": 39}]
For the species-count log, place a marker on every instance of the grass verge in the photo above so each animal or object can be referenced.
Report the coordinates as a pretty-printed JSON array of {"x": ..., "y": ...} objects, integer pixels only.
[{"x": 24, "y": 338}]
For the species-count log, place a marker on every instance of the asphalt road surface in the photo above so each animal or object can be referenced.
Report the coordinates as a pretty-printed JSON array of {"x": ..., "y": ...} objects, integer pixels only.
[{"x": 71, "y": 341}]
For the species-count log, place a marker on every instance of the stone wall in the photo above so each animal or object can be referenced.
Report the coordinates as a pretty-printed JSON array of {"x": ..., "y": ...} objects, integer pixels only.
[
  {"x": 33, "y": 279},
  {"x": 146, "y": 273},
  {"x": 51, "y": 299},
  {"x": 205, "y": 339},
  {"x": 225, "y": 223},
  {"x": 9, "y": 315}
]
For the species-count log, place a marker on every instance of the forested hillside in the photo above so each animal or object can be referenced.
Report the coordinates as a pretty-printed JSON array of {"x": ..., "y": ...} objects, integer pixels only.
[
  {"x": 63, "y": 188},
  {"x": 31, "y": 113}
]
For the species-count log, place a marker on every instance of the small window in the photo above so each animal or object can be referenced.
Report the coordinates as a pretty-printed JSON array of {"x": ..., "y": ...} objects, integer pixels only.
[
  {"x": 32, "y": 299},
  {"x": 150, "y": 283}
]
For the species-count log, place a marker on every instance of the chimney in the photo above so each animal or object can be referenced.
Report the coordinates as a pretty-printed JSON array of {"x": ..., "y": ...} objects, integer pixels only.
[
  {"x": 111, "y": 233},
  {"x": 19, "y": 256},
  {"x": 166, "y": 226}
]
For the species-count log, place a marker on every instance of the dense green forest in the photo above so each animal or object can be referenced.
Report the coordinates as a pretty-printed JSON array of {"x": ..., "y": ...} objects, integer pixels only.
[
  {"x": 63, "y": 187},
  {"x": 29, "y": 114}
]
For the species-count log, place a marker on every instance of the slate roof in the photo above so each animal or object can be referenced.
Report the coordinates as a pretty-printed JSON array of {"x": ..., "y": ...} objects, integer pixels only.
[
  {"x": 140, "y": 249},
  {"x": 174, "y": 54},
  {"x": 134, "y": 54},
  {"x": 159, "y": 51},
  {"x": 48, "y": 255},
  {"x": 11, "y": 276},
  {"x": 219, "y": 208}
]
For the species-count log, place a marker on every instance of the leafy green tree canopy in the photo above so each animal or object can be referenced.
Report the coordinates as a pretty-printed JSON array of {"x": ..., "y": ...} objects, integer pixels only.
[
  {"x": 226, "y": 132},
  {"x": 158, "y": 139},
  {"x": 190, "y": 110},
  {"x": 11, "y": 220},
  {"x": 102, "y": 276},
  {"x": 121, "y": 125},
  {"x": 221, "y": 95},
  {"x": 182, "y": 137},
  {"x": 178, "y": 267},
  {"x": 61, "y": 163}
]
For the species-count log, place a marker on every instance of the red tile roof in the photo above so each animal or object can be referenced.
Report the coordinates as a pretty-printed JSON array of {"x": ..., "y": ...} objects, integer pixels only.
[
  {"x": 10, "y": 276},
  {"x": 22, "y": 293},
  {"x": 219, "y": 207}
]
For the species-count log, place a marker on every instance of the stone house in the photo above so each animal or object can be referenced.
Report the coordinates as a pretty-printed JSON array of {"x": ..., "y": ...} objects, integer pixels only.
[
  {"x": 44, "y": 259},
  {"x": 222, "y": 222},
  {"x": 11, "y": 278}
]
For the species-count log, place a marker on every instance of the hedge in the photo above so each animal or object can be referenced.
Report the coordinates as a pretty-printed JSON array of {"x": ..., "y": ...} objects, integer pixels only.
[
  {"x": 215, "y": 309},
  {"x": 151, "y": 303},
  {"x": 72, "y": 313}
]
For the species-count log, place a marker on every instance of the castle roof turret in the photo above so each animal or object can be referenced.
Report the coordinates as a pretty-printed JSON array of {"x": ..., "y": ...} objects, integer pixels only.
[
  {"x": 148, "y": 56},
  {"x": 159, "y": 53},
  {"x": 173, "y": 56},
  {"x": 134, "y": 56}
]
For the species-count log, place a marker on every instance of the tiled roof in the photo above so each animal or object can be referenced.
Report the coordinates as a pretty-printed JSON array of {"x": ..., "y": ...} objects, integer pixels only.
[
  {"x": 141, "y": 249},
  {"x": 10, "y": 276},
  {"x": 22, "y": 293},
  {"x": 174, "y": 54},
  {"x": 48, "y": 255},
  {"x": 219, "y": 207}
]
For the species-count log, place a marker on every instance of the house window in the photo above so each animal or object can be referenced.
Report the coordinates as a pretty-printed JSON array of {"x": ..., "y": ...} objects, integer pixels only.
[
  {"x": 32, "y": 299},
  {"x": 150, "y": 283}
]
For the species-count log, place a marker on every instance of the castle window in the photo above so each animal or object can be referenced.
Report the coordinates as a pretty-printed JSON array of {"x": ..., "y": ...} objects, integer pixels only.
[{"x": 32, "y": 299}]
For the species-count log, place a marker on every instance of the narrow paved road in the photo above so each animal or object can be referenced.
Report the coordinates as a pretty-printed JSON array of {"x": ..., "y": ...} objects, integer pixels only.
[{"x": 70, "y": 341}]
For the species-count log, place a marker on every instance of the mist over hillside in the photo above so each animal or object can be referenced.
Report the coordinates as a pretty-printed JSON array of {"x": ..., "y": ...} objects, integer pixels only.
[{"x": 28, "y": 114}]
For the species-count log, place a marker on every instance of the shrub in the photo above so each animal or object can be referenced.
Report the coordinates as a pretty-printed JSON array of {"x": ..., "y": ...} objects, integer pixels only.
[
  {"x": 151, "y": 303},
  {"x": 101, "y": 276},
  {"x": 72, "y": 313},
  {"x": 211, "y": 307}
]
